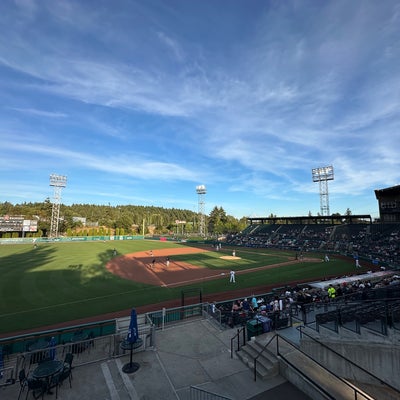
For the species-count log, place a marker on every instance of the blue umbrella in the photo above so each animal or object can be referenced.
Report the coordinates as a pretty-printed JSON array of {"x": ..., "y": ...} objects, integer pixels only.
[
  {"x": 132, "y": 338},
  {"x": 52, "y": 345},
  {"x": 133, "y": 328}
]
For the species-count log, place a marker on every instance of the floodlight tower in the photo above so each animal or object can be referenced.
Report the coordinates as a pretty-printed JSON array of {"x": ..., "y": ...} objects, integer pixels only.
[
  {"x": 201, "y": 192},
  {"x": 58, "y": 182},
  {"x": 323, "y": 175}
]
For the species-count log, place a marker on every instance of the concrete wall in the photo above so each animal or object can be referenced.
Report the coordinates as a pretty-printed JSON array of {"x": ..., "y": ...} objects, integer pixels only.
[
  {"x": 298, "y": 380},
  {"x": 375, "y": 353}
]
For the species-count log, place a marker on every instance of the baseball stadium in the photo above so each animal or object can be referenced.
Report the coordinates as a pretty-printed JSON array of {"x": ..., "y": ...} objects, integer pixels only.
[{"x": 306, "y": 307}]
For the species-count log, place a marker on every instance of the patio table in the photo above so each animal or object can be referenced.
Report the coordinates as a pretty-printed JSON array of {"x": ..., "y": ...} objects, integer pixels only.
[{"x": 47, "y": 369}]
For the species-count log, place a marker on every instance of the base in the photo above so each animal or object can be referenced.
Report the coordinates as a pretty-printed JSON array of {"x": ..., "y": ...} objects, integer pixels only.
[{"x": 130, "y": 368}]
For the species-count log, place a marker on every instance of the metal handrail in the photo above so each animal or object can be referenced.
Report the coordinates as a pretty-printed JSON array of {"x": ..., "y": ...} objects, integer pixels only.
[
  {"x": 212, "y": 312},
  {"x": 200, "y": 394},
  {"x": 239, "y": 331},
  {"x": 169, "y": 316},
  {"x": 259, "y": 354},
  {"x": 299, "y": 328},
  {"x": 357, "y": 392}
]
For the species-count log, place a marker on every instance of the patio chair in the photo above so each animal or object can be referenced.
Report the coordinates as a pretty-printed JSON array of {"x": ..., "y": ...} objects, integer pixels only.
[
  {"x": 58, "y": 379},
  {"x": 23, "y": 381},
  {"x": 66, "y": 373},
  {"x": 69, "y": 357},
  {"x": 37, "y": 386}
]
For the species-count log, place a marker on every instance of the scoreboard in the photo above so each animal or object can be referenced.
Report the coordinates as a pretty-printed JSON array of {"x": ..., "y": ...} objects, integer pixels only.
[{"x": 10, "y": 223}]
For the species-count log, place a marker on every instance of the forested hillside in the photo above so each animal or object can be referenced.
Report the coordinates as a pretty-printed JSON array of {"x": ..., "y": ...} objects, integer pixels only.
[{"x": 90, "y": 219}]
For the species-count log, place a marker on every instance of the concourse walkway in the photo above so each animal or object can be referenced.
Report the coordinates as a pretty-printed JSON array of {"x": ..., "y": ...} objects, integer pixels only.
[{"x": 195, "y": 353}]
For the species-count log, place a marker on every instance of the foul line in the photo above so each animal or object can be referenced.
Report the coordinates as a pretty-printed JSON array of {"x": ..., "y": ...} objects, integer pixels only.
[{"x": 180, "y": 283}]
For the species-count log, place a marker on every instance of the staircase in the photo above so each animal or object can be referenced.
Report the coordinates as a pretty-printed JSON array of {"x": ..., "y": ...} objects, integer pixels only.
[
  {"x": 267, "y": 363},
  {"x": 309, "y": 376}
]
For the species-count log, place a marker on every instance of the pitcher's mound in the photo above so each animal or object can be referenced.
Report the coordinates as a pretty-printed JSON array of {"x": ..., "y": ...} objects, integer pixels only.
[{"x": 230, "y": 258}]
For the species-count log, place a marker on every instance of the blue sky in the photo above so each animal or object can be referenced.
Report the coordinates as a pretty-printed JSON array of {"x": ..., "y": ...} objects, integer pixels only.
[{"x": 138, "y": 102}]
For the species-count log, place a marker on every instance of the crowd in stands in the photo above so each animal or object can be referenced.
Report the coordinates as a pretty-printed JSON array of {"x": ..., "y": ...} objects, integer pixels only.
[
  {"x": 273, "y": 309},
  {"x": 377, "y": 243},
  {"x": 272, "y": 312}
]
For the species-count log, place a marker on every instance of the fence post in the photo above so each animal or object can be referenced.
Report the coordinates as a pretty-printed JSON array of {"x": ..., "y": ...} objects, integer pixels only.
[{"x": 152, "y": 335}]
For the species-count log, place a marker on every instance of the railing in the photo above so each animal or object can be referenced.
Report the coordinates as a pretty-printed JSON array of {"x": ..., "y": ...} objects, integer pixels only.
[
  {"x": 239, "y": 333},
  {"x": 377, "y": 316},
  {"x": 343, "y": 359},
  {"x": 201, "y": 394},
  {"x": 259, "y": 355},
  {"x": 92, "y": 350},
  {"x": 7, "y": 376},
  {"x": 358, "y": 394},
  {"x": 20, "y": 343},
  {"x": 213, "y": 313},
  {"x": 351, "y": 314},
  {"x": 175, "y": 315}
]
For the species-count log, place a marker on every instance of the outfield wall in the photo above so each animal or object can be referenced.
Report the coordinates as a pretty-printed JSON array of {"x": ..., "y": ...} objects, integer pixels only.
[{"x": 69, "y": 239}]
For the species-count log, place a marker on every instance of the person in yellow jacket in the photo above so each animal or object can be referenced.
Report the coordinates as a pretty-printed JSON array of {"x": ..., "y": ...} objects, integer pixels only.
[{"x": 331, "y": 292}]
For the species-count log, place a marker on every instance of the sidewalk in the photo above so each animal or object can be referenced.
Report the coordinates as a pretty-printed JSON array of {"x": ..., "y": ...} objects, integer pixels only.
[{"x": 189, "y": 354}]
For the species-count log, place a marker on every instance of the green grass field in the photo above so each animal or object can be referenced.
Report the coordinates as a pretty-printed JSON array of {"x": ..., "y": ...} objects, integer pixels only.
[{"x": 60, "y": 282}]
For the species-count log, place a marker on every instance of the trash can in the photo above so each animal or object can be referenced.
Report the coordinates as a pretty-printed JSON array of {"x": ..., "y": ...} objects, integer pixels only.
[{"x": 254, "y": 328}]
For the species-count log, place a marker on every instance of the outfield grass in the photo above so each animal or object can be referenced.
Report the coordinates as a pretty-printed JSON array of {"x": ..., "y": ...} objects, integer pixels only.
[{"x": 60, "y": 282}]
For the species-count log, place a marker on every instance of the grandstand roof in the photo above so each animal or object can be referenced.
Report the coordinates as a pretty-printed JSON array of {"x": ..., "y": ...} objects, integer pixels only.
[
  {"x": 393, "y": 190},
  {"x": 346, "y": 219},
  {"x": 350, "y": 279}
]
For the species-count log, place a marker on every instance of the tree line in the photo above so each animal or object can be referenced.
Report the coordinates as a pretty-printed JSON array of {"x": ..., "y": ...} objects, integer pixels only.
[{"x": 94, "y": 220}]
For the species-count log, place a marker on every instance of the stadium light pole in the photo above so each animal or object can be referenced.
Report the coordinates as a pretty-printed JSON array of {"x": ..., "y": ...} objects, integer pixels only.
[
  {"x": 58, "y": 182},
  {"x": 201, "y": 192},
  {"x": 322, "y": 175}
]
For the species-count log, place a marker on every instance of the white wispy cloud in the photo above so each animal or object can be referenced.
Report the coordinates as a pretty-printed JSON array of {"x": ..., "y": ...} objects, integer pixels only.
[
  {"x": 40, "y": 113},
  {"x": 122, "y": 164},
  {"x": 173, "y": 45},
  {"x": 304, "y": 86}
]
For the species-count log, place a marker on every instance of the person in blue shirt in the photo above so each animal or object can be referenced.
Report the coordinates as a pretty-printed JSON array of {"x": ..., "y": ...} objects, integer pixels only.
[{"x": 254, "y": 303}]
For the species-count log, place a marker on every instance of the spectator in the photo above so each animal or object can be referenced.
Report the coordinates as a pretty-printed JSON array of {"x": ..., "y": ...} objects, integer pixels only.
[
  {"x": 331, "y": 292},
  {"x": 254, "y": 303}
]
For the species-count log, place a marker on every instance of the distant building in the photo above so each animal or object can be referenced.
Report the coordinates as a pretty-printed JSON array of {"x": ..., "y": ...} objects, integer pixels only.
[
  {"x": 79, "y": 219},
  {"x": 389, "y": 204}
]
